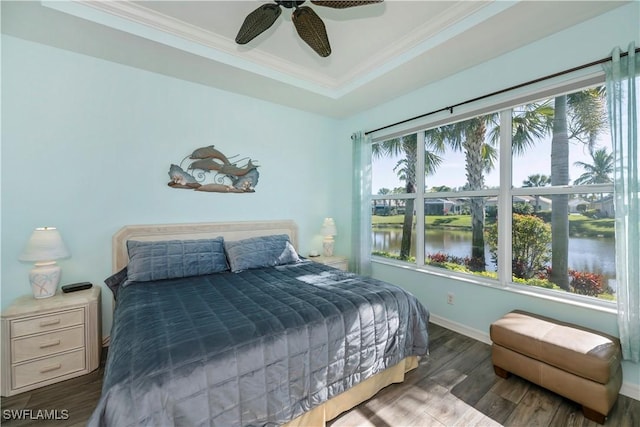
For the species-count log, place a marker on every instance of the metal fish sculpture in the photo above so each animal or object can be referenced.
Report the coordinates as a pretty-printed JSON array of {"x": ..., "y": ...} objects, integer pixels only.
[
  {"x": 247, "y": 182},
  {"x": 243, "y": 179},
  {"x": 181, "y": 179},
  {"x": 236, "y": 171},
  {"x": 209, "y": 153},
  {"x": 206, "y": 164}
]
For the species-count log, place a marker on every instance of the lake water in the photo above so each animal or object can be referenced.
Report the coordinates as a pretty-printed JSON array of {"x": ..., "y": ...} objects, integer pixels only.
[{"x": 585, "y": 254}]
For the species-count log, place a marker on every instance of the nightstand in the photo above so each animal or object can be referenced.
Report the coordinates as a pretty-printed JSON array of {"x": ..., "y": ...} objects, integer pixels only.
[
  {"x": 339, "y": 262},
  {"x": 48, "y": 340}
]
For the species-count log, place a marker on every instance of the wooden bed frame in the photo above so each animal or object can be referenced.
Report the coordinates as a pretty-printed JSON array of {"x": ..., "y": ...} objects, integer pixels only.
[{"x": 319, "y": 415}]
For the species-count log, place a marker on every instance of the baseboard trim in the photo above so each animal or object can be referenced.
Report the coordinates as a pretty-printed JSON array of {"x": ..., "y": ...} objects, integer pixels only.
[
  {"x": 461, "y": 329},
  {"x": 629, "y": 390}
]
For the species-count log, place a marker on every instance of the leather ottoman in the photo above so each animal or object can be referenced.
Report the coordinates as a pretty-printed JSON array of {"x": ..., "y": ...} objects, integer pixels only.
[{"x": 575, "y": 362}]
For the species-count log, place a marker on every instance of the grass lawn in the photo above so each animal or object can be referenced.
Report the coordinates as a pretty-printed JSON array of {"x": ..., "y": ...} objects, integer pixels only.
[
  {"x": 579, "y": 225},
  {"x": 436, "y": 221}
]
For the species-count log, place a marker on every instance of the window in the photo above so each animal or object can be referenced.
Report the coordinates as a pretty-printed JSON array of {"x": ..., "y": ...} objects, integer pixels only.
[{"x": 548, "y": 163}]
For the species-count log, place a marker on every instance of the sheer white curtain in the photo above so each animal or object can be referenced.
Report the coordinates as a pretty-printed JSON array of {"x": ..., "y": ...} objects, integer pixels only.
[
  {"x": 623, "y": 99},
  {"x": 361, "y": 206}
]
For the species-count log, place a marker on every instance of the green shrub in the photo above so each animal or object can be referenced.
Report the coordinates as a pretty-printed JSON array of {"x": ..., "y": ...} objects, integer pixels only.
[
  {"x": 456, "y": 267},
  {"x": 522, "y": 208},
  {"x": 530, "y": 247},
  {"x": 393, "y": 256},
  {"x": 489, "y": 274},
  {"x": 535, "y": 281}
]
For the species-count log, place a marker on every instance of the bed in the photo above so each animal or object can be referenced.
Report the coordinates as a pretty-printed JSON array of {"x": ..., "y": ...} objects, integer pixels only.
[{"x": 273, "y": 341}]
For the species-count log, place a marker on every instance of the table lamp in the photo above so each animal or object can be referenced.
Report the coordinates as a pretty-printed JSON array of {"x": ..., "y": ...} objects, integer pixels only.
[
  {"x": 44, "y": 247},
  {"x": 328, "y": 231}
]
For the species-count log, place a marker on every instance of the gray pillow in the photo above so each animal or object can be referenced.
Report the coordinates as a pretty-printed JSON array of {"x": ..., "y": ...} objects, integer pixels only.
[
  {"x": 256, "y": 252},
  {"x": 171, "y": 259},
  {"x": 115, "y": 281}
]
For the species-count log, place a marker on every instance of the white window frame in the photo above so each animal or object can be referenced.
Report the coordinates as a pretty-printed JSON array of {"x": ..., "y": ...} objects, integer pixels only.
[{"x": 504, "y": 192}]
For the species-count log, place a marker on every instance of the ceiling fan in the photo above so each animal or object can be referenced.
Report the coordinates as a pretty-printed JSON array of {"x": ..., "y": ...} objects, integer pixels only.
[{"x": 310, "y": 27}]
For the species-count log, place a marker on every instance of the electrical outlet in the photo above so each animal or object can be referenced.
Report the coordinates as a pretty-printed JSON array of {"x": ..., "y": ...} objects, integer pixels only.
[{"x": 450, "y": 298}]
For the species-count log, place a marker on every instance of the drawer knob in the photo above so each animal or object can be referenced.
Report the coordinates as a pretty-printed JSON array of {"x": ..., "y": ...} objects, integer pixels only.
[
  {"x": 50, "y": 368},
  {"x": 49, "y": 323},
  {"x": 50, "y": 344}
]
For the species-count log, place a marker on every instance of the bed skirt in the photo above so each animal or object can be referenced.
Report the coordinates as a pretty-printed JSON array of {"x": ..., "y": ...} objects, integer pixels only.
[{"x": 318, "y": 416}]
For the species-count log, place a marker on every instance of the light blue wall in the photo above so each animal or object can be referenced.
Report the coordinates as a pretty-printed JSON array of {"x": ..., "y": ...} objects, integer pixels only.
[
  {"x": 477, "y": 306},
  {"x": 86, "y": 146}
]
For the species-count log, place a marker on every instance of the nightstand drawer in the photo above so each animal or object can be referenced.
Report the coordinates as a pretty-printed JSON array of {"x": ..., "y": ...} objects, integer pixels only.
[
  {"x": 48, "y": 340},
  {"x": 42, "y": 345},
  {"x": 45, "y": 369},
  {"x": 48, "y": 322}
]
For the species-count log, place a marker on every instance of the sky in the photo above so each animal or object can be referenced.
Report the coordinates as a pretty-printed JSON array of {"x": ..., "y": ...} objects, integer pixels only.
[{"x": 537, "y": 160}]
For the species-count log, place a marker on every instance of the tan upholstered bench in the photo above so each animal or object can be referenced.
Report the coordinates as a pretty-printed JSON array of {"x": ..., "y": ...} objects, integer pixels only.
[{"x": 578, "y": 363}]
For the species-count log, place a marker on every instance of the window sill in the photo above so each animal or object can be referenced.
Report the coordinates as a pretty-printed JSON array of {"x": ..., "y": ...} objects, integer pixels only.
[{"x": 542, "y": 293}]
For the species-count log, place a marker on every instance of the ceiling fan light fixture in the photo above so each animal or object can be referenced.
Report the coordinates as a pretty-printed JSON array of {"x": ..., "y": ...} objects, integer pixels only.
[
  {"x": 311, "y": 29},
  {"x": 309, "y": 26},
  {"x": 258, "y": 22}
]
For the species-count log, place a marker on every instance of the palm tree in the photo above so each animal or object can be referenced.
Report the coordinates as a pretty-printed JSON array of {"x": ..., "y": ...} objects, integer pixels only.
[
  {"x": 406, "y": 147},
  {"x": 441, "y": 188},
  {"x": 469, "y": 137},
  {"x": 529, "y": 124},
  {"x": 587, "y": 115},
  {"x": 580, "y": 116},
  {"x": 537, "y": 180},
  {"x": 598, "y": 172}
]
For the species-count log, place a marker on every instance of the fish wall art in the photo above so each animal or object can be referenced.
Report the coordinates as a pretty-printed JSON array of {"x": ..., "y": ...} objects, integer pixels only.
[{"x": 210, "y": 170}]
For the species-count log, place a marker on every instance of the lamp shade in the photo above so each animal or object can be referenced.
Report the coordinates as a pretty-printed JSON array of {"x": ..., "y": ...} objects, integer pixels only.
[
  {"x": 45, "y": 244},
  {"x": 329, "y": 227}
]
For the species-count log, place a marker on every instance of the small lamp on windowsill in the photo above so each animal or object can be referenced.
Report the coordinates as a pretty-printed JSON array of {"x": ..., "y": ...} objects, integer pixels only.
[
  {"x": 328, "y": 231},
  {"x": 44, "y": 247}
]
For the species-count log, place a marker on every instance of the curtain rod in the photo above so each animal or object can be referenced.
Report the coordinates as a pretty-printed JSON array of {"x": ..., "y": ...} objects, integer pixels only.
[{"x": 498, "y": 92}]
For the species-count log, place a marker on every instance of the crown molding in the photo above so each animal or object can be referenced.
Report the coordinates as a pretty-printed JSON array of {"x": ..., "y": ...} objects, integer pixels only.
[
  {"x": 428, "y": 30},
  {"x": 161, "y": 22},
  {"x": 141, "y": 21}
]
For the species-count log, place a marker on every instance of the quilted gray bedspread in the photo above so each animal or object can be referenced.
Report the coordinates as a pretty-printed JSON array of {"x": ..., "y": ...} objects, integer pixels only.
[{"x": 259, "y": 347}]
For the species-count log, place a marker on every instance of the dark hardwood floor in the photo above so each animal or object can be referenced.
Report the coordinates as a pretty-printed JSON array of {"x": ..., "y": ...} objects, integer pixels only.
[{"x": 454, "y": 386}]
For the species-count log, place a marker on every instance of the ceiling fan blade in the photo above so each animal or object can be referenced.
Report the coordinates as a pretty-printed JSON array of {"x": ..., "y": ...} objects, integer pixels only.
[
  {"x": 344, "y": 4},
  {"x": 258, "y": 22},
  {"x": 312, "y": 30}
]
